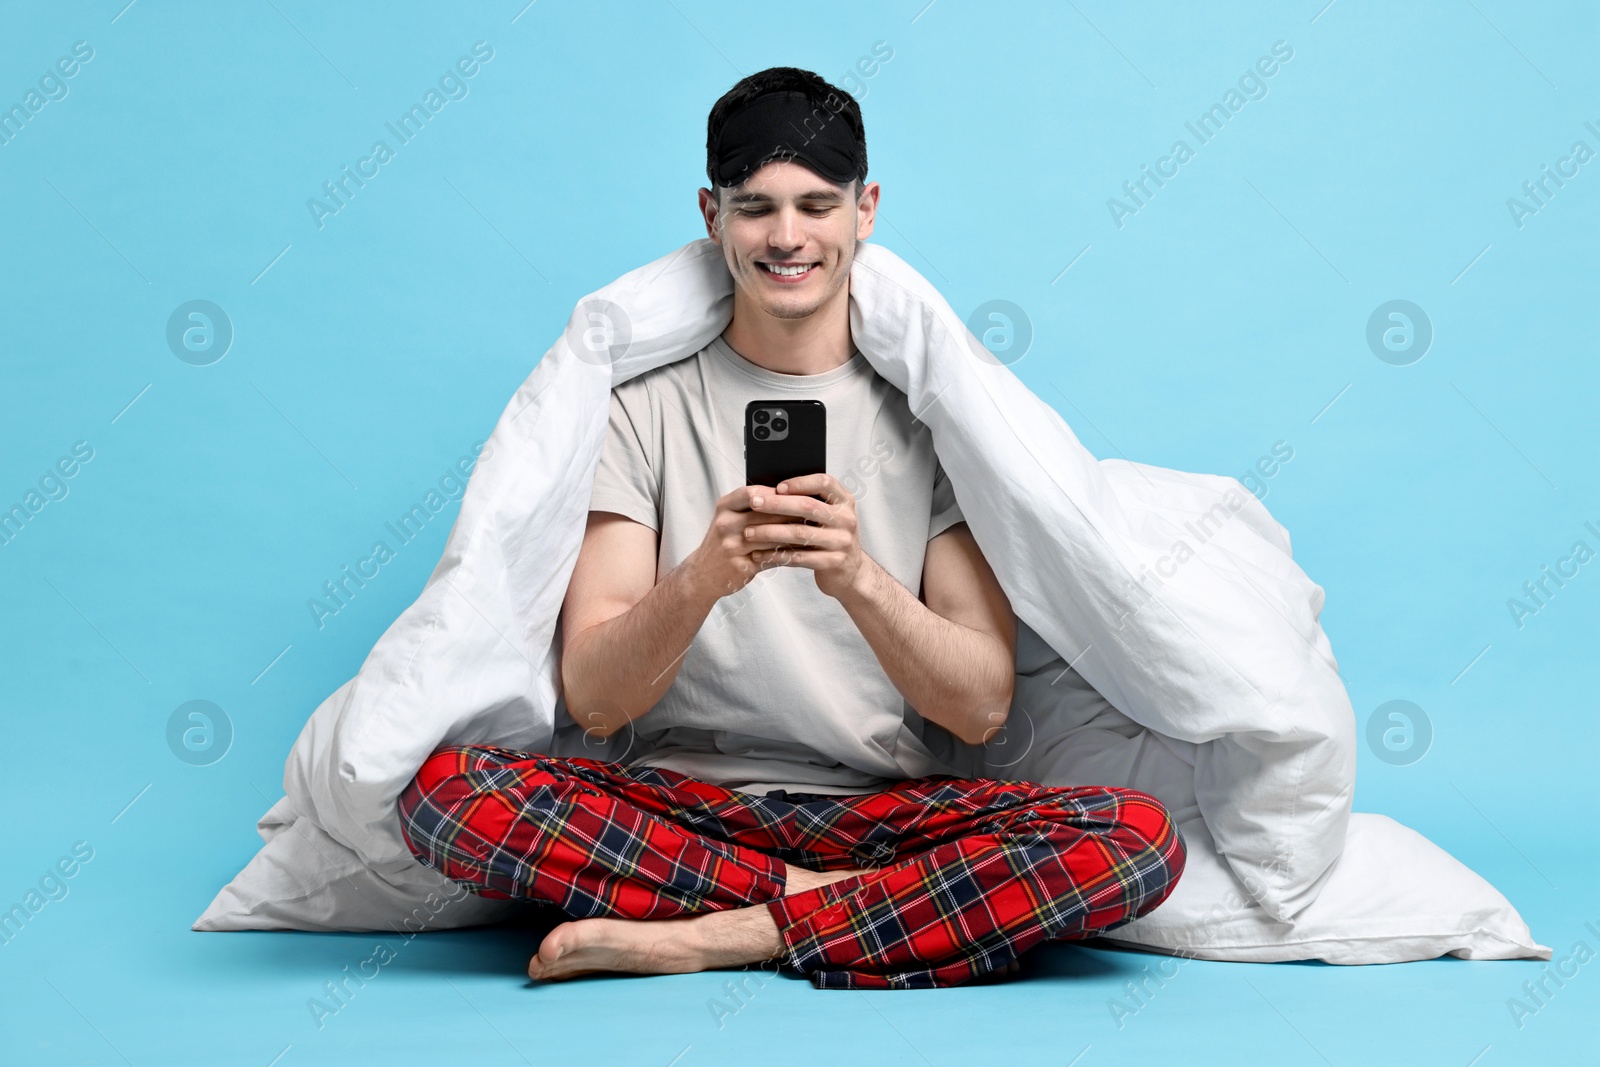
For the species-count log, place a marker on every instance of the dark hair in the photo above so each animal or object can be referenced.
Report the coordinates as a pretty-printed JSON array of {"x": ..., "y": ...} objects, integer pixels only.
[{"x": 822, "y": 95}]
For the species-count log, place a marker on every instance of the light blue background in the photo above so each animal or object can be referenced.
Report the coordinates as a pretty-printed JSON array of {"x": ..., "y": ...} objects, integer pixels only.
[{"x": 1227, "y": 315}]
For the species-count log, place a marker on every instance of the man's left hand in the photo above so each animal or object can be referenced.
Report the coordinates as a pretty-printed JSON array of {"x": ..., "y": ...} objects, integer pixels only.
[{"x": 831, "y": 548}]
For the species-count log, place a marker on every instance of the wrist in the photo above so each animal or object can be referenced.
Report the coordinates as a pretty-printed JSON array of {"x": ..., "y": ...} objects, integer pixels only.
[
  {"x": 697, "y": 584},
  {"x": 863, "y": 584}
]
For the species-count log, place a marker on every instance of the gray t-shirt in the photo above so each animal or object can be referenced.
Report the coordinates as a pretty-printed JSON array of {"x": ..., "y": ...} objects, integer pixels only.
[{"x": 778, "y": 688}]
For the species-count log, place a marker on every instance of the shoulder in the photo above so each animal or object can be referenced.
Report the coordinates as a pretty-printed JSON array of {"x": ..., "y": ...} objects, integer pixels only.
[{"x": 669, "y": 377}]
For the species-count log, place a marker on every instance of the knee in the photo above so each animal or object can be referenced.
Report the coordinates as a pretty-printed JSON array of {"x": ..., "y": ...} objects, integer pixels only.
[
  {"x": 434, "y": 791},
  {"x": 454, "y": 776},
  {"x": 1156, "y": 849},
  {"x": 1138, "y": 830},
  {"x": 447, "y": 761},
  {"x": 456, "y": 765}
]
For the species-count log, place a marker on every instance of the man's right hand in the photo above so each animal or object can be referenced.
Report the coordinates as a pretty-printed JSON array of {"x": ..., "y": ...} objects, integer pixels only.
[
  {"x": 625, "y": 633},
  {"x": 724, "y": 563}
]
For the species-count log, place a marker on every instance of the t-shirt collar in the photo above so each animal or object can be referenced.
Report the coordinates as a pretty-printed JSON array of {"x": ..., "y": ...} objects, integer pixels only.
[{"x": 857, "y": 364}]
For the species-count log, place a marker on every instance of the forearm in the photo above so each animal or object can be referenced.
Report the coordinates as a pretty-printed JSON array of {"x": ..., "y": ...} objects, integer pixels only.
[
  {"x": 615, "y": 671},
  {"x": 951, "y": 674}
]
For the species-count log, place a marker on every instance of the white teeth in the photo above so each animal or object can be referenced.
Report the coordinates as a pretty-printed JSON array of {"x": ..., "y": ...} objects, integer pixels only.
[{"x": 787, "y": 272}]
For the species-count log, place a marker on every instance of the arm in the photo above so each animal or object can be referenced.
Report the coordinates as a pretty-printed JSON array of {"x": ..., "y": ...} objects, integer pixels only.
[
  {"x": 953, "y": 657},
  {"x": 623, "y": 633}
]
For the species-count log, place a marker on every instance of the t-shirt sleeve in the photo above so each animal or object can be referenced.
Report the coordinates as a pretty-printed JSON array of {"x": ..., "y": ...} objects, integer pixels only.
[
  {"x": 624, "y": 481},
  {"x": 946, "y": 512}
]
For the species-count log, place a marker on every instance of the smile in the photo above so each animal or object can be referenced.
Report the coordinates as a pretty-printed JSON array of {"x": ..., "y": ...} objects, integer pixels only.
[{"x": 788, "y": 274}]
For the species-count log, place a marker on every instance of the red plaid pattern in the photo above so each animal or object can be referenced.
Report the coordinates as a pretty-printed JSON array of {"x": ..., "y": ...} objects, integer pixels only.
[{"x": 963, "y": 875}]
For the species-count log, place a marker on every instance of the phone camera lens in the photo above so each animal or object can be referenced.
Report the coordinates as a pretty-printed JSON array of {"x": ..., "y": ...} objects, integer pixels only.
[
  {"x": 780, "y": 424},
  {"x": 761, "y": 415},
  {"x": 761, "y": 433}
]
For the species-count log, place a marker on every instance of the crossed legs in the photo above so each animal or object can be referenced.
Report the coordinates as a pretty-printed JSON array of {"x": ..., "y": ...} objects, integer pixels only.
[{"x": 932, "y": 882}]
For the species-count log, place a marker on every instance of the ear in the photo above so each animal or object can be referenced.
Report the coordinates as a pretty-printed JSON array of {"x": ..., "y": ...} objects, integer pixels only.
[
  {"x": 709, "y": 209},
  {"x": 867, "y": 210}
]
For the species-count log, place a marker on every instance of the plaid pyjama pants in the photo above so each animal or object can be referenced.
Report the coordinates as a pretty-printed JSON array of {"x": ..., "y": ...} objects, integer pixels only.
[{"x": 961, "y": 876}]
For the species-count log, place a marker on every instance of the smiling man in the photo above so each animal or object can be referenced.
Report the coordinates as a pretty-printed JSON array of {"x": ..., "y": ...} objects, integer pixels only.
[{"x": 765, "y": 660}]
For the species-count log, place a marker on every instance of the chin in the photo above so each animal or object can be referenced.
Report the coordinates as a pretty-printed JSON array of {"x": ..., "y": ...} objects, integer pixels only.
[{"x": 791, "y": 311}]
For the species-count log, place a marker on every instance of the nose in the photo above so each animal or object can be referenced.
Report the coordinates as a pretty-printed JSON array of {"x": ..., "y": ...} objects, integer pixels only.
[{"x": 786, "y": 233}]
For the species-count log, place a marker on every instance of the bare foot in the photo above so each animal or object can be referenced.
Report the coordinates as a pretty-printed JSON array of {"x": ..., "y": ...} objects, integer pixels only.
[{"x": 662, "y": 946}]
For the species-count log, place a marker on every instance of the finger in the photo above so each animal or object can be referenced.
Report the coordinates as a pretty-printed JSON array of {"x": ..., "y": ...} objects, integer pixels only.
[
  {"x": 821, "y": 484},
  {"x": 800, "y": 507},
  {"x": 810, "y": 558},
  {"x": 753, "y": 546},
  {"x": 781, "y": 556},
  {"x": 759, "y": 518},
  {"x": 785, "y": 534},
  {"x": 749, "y": 497}
]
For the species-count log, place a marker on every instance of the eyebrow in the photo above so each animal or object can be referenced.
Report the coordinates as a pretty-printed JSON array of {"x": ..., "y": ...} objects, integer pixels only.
[{"x": 814, "y": 194}]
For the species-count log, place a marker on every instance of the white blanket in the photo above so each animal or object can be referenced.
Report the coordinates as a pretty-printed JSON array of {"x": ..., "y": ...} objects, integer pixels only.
[{"x": 1173, "y": 596}]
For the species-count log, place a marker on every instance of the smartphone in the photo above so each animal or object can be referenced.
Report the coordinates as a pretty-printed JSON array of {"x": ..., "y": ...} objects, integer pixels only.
[{"x": 784, "y": 439}]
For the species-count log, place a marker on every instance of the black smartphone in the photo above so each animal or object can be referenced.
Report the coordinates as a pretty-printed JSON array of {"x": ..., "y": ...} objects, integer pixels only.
[{"x": 784, "y": 439}]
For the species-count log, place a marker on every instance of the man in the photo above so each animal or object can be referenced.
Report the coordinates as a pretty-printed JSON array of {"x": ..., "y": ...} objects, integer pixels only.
[{"x": 770, "y": 660}]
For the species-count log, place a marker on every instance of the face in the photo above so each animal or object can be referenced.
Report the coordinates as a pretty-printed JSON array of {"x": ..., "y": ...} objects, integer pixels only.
[{"x": 789, "y": 217}]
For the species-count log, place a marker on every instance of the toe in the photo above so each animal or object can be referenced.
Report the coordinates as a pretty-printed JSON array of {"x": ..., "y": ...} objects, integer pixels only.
[{"x": 551, "y": 949}]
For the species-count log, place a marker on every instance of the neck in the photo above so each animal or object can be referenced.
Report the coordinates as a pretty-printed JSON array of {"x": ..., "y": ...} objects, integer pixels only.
[{"x": 811, "y": 345}]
